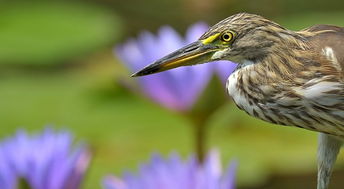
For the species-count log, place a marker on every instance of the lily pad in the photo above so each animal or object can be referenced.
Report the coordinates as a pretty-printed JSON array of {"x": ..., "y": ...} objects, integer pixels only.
[{"x": 45, "y": 33}]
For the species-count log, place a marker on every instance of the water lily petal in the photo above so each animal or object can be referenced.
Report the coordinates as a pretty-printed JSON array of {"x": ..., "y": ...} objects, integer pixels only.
[
  {"x": 172, "y": 173},
  {"x": 44, "y": 161}
]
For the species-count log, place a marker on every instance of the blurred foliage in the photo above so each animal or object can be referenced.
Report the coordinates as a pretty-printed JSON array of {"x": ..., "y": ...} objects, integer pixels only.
[
  {"x": 301, "y": 21},
  {"x": 151, "y": 14},
  {"x": 46, "y": 33},
  {"x": 123, "y": 129}
]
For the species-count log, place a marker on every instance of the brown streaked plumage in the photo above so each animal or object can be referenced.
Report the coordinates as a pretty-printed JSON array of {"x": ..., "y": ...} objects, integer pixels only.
[{"x": 283, "y": 77}]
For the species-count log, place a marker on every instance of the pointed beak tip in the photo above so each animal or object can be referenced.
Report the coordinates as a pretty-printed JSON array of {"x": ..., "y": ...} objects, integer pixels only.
[
  {"x": 150, "y": 69},
  {"x": 134, "y": 75},
  {"x": 137, "y": 74},
  {"x": 143, "y": 72}
]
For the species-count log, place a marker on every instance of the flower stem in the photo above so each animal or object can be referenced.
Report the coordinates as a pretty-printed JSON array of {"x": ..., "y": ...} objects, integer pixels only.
[
  {"x": 23, "y": 184},
  {"x": 200, "y": 138}
]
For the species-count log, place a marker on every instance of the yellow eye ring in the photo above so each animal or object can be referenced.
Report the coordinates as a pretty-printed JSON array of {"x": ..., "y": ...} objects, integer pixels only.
[{"x": 227, "y": 36}]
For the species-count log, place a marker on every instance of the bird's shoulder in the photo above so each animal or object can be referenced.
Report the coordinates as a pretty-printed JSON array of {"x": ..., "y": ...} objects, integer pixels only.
[
  {"x": 328, "y": 40},
  {"x": 324, "y": 27},
  {"x": 325, "y": 35}
]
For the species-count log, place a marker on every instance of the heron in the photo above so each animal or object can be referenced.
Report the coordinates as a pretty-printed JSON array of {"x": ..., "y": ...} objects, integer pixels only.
[{"x": 285, "y": 77}]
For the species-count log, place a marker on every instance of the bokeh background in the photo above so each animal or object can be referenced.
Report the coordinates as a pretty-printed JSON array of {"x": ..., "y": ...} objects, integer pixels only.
[{"x": 58, "y": 68}]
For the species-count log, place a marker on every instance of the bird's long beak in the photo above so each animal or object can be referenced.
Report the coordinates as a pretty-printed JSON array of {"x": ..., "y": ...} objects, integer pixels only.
[{"x": 194, "y": 53}]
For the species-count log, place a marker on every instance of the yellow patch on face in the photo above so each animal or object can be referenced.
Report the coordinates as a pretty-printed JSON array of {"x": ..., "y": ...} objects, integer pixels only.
[{"x": 210, "y": 39}]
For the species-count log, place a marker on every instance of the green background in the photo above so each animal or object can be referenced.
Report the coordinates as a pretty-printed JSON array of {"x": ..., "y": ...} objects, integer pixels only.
[{"x": 57, "y": 68}]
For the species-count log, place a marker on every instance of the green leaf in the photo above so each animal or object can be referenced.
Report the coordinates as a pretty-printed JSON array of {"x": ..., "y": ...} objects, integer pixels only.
[{"x": 45, "y": 33}]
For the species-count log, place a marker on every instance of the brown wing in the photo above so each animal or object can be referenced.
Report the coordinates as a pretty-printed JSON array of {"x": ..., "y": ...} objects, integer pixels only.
[{"x": 323, "y": 36}]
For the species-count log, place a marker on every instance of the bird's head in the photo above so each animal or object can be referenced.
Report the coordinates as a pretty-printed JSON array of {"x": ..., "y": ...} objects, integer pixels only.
[{"x": 239, "y": 37}]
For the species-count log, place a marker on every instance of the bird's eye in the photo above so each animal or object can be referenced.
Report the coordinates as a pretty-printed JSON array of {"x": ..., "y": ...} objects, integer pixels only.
[{"x": 227, "y": 37}]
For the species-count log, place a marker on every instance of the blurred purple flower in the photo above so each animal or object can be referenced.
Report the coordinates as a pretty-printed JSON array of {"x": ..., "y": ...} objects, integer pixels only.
[
  {"x": 44, "y": 161},
  {"x": 224, "y": 69},
  {"x": 175, "y": 174},
  {"x": 176, "y": 89}
]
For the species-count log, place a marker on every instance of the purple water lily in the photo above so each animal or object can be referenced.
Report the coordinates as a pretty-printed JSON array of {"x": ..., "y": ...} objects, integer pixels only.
[
  {"x": 224, "y": 69},
  {"x": 176, "y": 174},
  {"x": 176, "y": 89},
  {"x": 42, "y": 161}
]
